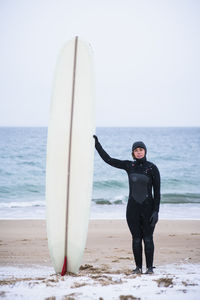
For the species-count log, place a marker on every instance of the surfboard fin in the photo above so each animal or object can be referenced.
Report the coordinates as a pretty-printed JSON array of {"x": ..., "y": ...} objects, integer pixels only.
[{"x": 64, "y": 268}]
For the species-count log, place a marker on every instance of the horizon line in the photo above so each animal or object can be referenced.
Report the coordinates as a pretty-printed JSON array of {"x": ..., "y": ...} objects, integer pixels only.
[{"x": 102, "y": 126}]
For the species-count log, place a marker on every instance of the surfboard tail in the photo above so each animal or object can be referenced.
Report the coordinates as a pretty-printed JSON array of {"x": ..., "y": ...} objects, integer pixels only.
[{"x": 64, "y": 268}]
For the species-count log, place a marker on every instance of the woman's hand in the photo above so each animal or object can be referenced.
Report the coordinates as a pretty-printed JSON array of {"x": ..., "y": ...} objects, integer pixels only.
[
  {"x": 154, "y": 219},
  {"x": 96, "y": 139}
]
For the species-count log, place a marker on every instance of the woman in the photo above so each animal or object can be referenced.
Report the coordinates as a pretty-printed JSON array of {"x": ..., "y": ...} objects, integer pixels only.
[{"x": 143, "y": 207}]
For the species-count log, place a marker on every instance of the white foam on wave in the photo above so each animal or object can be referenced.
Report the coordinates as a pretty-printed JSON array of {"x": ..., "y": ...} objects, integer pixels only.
[
  {"x": 187, "y": 211},
  {"x": 167, "y": 212},
  {"x": 18, "y": 204}
]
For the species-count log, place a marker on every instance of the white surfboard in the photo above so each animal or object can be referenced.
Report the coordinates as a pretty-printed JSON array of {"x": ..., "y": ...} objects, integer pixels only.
[{"x": 70, "y": 151}]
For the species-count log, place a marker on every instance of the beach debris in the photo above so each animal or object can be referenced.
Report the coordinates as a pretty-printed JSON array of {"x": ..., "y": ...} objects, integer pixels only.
[
  {"x": 95, "y": 270},
  {"x": 164, "y": 282},
  {"x": 85, "y": 267},
  {"x": 13, "y": 280},
  {"x": 2, "y": 294},
  {"x": 128, "y": 297},
  {"x": 108, "y": 281},
  {"x": 71, "y": 274},
  {"x": 185, "y": 283},
  {"x": 105, "y": 280},
  {"x": 72, "y": 296},
  {"x": 183, "y": 290},
  {"x": 78, "y": 285},
  {"x": 115, "y": 260}
]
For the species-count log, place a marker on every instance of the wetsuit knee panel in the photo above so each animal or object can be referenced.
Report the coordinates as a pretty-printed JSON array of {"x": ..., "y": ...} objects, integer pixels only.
[
  {"x": 137, "y": 242},
  {"x": 148, "y": 241}
]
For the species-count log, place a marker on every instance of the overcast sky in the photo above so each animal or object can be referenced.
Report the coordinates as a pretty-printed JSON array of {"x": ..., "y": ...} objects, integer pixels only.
[{"x": 146, "y": 59}]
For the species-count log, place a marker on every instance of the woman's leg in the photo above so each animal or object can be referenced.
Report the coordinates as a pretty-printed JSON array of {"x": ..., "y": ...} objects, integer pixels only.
[
  {"x": 137, "y": 250},
  {"x": 148, "y": 241},
  {"x": 135, "y": 229},
  {"x": 149, "y": 250}
]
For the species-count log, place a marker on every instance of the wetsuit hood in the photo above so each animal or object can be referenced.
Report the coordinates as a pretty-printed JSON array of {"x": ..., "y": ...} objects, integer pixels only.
[{"x": 139, "y": 144}]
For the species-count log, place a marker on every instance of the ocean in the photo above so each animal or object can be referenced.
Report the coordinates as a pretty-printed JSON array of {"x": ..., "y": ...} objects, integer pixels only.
[{"x": 175, "y": 151}]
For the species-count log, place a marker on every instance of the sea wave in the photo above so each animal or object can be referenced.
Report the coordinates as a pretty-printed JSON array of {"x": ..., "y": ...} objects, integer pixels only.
[
  {"x": 101, "y": 201},
  {"x": 16, "y": 204},
  {"x": 108, "y": 184},
  {"x": 171, "y": 198},
  {"x": 180, "y": 198},
  {"x": 165, "y": 198},
  {"x": 16, "y": 189}
]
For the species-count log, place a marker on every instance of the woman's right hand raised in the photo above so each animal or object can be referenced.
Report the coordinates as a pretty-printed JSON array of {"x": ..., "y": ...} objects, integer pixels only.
[{"x": 96, "y": 139}]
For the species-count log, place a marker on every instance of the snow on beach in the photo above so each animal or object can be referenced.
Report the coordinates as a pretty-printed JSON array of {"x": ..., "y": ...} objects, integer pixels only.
[{"x": 175, "y": 281}]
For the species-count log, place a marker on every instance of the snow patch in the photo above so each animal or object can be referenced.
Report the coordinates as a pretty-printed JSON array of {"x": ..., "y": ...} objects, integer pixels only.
[{"x": 168, "y": 282}]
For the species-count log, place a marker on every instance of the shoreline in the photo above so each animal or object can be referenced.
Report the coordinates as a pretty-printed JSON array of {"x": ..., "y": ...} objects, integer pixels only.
[{"x": 103, "y": 212}]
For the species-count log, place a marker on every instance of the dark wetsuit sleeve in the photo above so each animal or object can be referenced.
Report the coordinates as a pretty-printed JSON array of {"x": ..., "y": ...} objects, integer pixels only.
[
  {"x": 117, "y": 163},
  {"x": 156, "y": 188}
]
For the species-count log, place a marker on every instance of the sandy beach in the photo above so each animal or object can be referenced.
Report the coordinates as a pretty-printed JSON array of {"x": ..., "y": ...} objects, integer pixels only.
[
  {"x": 23, "y": 244},
  {"x": 108, "y": 243}
]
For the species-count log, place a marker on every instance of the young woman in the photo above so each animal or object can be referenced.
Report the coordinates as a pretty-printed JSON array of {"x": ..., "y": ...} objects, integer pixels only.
[{"x": 143, "y": 206}]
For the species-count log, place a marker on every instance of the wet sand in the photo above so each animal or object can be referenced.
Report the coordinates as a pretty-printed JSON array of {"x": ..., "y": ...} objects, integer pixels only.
[{"x": 24, "y": 242}]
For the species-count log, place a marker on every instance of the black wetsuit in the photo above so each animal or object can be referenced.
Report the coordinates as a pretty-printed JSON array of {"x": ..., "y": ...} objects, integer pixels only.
[{"x": 143, "y": 177}]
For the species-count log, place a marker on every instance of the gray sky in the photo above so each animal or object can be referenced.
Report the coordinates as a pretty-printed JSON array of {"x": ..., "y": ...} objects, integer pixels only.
[{"x": 146, "y": 59}]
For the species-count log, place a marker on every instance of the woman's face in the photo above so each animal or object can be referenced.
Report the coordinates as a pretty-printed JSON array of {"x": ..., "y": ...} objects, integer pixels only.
[{"x": 139, "y": 153}]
